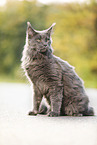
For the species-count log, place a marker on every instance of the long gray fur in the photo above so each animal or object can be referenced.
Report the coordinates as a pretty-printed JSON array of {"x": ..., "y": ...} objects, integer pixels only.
[{"x": 52, "y": 77}]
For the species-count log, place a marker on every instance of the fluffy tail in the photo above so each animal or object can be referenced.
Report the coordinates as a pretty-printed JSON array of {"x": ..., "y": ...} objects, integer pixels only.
[{"x": 89, "y": 112}]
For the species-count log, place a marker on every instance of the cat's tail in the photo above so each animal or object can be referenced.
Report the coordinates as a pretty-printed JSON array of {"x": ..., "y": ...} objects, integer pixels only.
[{"x": 89, "y": 112}]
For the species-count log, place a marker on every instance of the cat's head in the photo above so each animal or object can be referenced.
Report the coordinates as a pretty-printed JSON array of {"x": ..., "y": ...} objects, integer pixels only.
[{"x": 39, "y": 41}]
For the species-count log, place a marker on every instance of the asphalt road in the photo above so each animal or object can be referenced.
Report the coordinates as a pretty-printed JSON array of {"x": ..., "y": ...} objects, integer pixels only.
[{"x": 17, "y": 128}]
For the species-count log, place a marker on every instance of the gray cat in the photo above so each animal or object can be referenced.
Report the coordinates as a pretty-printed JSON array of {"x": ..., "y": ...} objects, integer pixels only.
[{"x": 52, "y": 78}]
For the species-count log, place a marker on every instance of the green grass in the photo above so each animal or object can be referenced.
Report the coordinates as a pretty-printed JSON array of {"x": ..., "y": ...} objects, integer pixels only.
[
  {"x": 12, "y": 79},
  {"x": 90, "y": 83}
]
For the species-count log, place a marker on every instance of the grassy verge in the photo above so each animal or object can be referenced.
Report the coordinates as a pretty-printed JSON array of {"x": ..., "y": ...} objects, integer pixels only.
[
  {"x": 92, "y": 83},
  {"x": 12, "y": 79}
]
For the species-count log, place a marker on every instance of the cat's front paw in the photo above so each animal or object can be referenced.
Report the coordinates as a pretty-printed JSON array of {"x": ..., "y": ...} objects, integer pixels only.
[
  {"x": 52, "y": 114},
  {"x": 32, "y": 113}
]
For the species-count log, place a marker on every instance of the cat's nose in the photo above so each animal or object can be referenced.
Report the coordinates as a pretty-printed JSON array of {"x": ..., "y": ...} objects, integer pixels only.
[{"x": 45, "y": 45}]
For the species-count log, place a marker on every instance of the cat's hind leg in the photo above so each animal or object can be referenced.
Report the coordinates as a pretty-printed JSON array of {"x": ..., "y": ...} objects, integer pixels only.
[
  {"x": 79, "y": 109},
  {"x": 72, "y": 110},
  {"x": 43, "y": 109},
  {"x": 44, "y": 106}
]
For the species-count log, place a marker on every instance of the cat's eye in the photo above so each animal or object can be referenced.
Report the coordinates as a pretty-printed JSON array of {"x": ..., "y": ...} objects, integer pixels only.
[
  {"x": 47, "y": 39},
  {"x": 38, "y": 39}
]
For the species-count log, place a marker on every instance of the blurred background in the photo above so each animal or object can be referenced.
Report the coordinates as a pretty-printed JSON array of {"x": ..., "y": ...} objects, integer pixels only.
[{"x": 74, "y": 38}]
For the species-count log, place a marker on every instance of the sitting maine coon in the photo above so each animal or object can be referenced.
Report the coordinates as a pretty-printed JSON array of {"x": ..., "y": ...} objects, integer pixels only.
[{"x": 52, "y": 78}]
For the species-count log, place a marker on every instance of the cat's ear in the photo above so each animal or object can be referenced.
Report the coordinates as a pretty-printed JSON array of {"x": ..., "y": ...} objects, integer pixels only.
[
  {"x": 31, "y": 31},
  {"x": 50, "y": 29}
]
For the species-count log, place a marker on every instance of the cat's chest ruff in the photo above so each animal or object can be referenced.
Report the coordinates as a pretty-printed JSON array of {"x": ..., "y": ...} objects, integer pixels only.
[
  {"x": 44, "y": 71},
  {"x": 38, "y": 68}
]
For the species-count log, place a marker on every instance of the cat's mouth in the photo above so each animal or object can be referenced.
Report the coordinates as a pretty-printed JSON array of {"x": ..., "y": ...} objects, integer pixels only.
[{"x": 43, "y": 49}]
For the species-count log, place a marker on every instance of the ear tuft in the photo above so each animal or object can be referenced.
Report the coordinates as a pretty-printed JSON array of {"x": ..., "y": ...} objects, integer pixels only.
[
  {"x": 28, "y": 24},
  {"x": 30, "y": 30},
  {"x": 51, "y": 28},
  {"x": 53, "y": 24}
]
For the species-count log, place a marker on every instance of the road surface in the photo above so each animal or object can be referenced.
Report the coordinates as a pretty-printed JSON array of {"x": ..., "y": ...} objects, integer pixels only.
[{"x": 17, "y": 128}]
